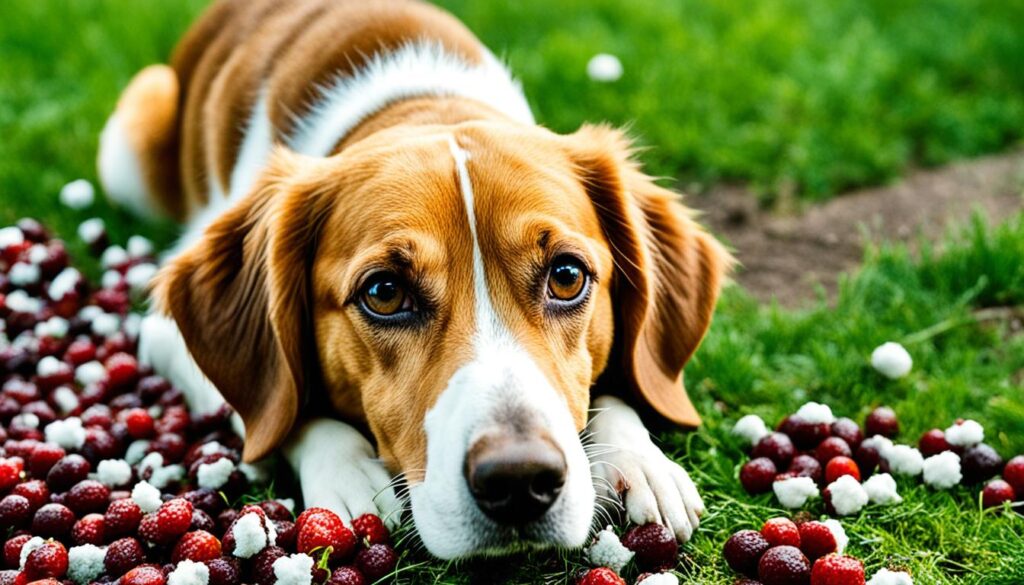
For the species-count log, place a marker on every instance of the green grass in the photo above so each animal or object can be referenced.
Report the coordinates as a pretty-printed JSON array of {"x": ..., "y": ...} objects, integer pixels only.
[{"x": 788, "y": 95}]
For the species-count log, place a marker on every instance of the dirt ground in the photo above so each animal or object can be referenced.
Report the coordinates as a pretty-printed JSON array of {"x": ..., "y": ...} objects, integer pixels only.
[{"x": 785, "y": 255}]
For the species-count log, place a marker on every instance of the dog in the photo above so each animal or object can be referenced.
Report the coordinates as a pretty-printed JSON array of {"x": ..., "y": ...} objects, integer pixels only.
[{"x": 394, "y": 276}]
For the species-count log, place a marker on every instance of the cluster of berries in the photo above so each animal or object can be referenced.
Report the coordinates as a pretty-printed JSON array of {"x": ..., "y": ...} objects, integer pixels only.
[
  {"x": 652, "y": 548},
  {"x": 813, "y": 449},
  {"x": 105, "y": 475},
  {"x": 785, "y": 552}
]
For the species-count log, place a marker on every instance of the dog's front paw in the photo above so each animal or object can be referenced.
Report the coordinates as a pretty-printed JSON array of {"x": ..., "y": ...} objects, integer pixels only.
[
  {"x": 338, "y": 470},
  {"x": 653, "y": 488}
]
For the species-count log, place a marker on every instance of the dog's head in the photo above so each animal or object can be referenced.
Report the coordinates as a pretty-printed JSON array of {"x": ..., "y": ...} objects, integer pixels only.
[{"x": 460, "y": 291}]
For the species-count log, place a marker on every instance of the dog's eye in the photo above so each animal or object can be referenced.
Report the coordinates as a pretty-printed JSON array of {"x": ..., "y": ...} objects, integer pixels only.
[
  {"x": 385, "y": 295},
  {"x": 567, "y": 280}
]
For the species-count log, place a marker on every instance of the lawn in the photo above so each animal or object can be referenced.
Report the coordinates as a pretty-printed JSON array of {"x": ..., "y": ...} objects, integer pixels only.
[{"x": 795, "y": 99}]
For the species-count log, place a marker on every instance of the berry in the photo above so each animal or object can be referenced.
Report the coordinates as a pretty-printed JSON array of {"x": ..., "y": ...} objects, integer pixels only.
[
  {"x": 996, "y": 492},
  {"x": 277, "y": 511},
  {"x": 198, "y": 546},
  {"x": 202, "y": 521},
  {"x": 140, "y": 424},
  {"x": 655, "y": 546},
  {"x": 816, "y": 539},
  {"x": 376, "y": 560},
  {"x": 70, "y": 470},
  {"x": 758, "y": 475},
  {"x": 933, "y": 442},
  {"x": 882, "y": 421},
  {"x": 15, "y": 510},
  {"x": 122, "y": 555},
  {"x": 10, "y": 472},
  {"x": 806, "y": 466},
  {"x": 1013, "y": 474},
  {"x": 122, "y": 517},
  {"x": 805, "y": 435},
  {"x": 839, "y": 467},
  {"x": 12, "y": 550},
  {"x": 144, "y": 575},
  {"x": 122, "y": 370},
  {"x": 781, "y": 531},
  {"x": 868, "y": 459},
  {"x": 323, "y": 528},
  {"x": 173, "y": 518},
  {"x": 33, "y": 490},
  {"x": 87, "y": 496},
  {"x": 224, "y": 571},
  {"x": 286, "y": 533},
  {"x": 48, "y": 561},
  {"x": 777, "y": 447},
  {"x": 848, "y": 431},
  {"x": 54, "y": 520},
  {"x": 837, "y": 570},
  {"x": 743, "y": 551},
  {"x": 89, "y": 530},
  {"x": 784, "y": 565},
  {"x": 831, "y": 448},
  {"x": 44, "y": 456},
  {"x": 263, "y": 565},
  {"x": 370, "y": 527},
  {"x": 979, "y": 463},
  {"x": 601, "y": 576},
  {"x": 346, "y": 575}
]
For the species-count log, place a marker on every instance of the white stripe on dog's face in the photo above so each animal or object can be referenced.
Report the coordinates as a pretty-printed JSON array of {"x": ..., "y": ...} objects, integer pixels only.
[{"x": 500, "y": 380}]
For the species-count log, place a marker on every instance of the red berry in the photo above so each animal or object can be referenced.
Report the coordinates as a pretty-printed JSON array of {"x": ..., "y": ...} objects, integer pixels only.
[
  {"x": 882, "y": 421},
  {"x": 933, "y": 442},
  {"x": 806, "y": 466},
  {"x": 15, "y": 511},
  {"x": 122, "y": 370},
  {"x": 198, "y": 546},
  {"x": 10, "y": 472},
  {"x": 80, "y": 351},
  {"x": 848, "y": 431},
  {"x": 321, "y": 529},
  {"x": 48, "y": 561},
  {"x": 831, "y": 448},
  {"x": 67, "y": 472},
  {"x": 816, "y": 539},
  {"x": 996, "y": 492},
  {"x": 122, "y": 517},
  {"x": 140, "y": 424},
  {"x": 174, "y": 517},
  {"x": 277, "y": 511},
  {"x": 1013, "y": 474},
  {"x": 370, "y": 527},
  {"x": 781, "y": 531},
  {"x": 286, "y": 533},
  {"x": 87, "y": 496},
  {"x": 144, "y": 575},
  {"x": 784, "y": 565},
  {"x": 346, "y": 575},
  {"x": 837, "y": 570},
  {"x": 655, "y": 546},
  {"x": 12, "y": 550},
  {"x": 743, "y": 551},
  {"x": 44, "y": 456},
  {"x": 758, "y": 475},
  {"x": 89, "y": 530},
  {"x": 122, "y": 555},
  {"x": 805, "y": 435},
  {"x": 54, "y": 520},
  {"x": 224, "y": 571},
  {"x": 376, "y": 561},
  {"x": 777, "y": 447},
  {"x": 263, "y": 565},
  {"x": 868, "y": 459},
  {"x": 839, "y": 467},
  {"x": 601, "y": 576},
  {"x": 35, "y": 491},
  {"x": 980, "y": 463}
]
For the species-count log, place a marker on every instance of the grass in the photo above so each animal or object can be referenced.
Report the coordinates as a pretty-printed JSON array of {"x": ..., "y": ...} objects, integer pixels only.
[{"x": 791, "y": 97}]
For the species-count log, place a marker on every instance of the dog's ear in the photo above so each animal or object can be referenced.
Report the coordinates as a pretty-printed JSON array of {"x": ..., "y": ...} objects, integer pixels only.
[
  {"x": 668, "y": 272},
  {"x": 240, "y": 298}
]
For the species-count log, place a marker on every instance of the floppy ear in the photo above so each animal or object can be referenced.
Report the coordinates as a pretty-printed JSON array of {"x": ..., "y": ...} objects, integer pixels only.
[
  {"x": 240, "y": 298},
  {"x": 668, "y": 272}
]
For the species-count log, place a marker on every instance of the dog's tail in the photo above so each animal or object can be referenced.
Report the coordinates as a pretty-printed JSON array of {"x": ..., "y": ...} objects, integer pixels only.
[{"x": 138, "y": 152}]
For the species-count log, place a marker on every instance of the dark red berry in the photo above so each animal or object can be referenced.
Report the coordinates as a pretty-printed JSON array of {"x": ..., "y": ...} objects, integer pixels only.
[
  {"x": 49, "y": 561},
  {"x": 831, "y": 448},
  {"x": 33, "y": 490},
  {"x": 12, "y": 550},
  {"x": 122, "y": 555},
  {"x": 144, "y": 575},
  {"x": 816, "y": 539},
  {"x": 996, "y": 492},
  {"x": 370, "y": 527},
  {"x": 346, "y": 576},
  {"x": 805, "y": 435},
  {"x": 743, "y": 551},
  {"x": 140, "y": 424},
  {"x": 122, "y": 517},
  {"x": 882, "y": 421},
  {"x": 868, "y": 459},
  {"x": 89, "y": 530},
  {"x": 758, "y": 475},
  {"x": 376, "y": 561},
  {"x": 655, "y": 546},
  {"x": 806, "y": 466},
  {"x": 848, "y": 431},
  {"x": 53, "y": 520},
  {"x": 15, "y": 511},
  {"x": 122, "y": 370},
  {"x": 777, "y": 447},
  {"x": 784, "y": 565},
  {"x": 933, "y": 442},
  {"x": 263, "y": 565},
  {"x": 781, "y": 531},
  {"x": 980, "y": 463},
  {"x": 87, "y": 496},
  {"x": 1013, "y": 473},
  {"x": 70, "y": 470},
  {"x": 225, "y": 571},
  {"x": 44, "y": 456}
]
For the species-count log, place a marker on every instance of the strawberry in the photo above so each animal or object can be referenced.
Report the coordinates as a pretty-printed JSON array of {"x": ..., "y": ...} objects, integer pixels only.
[
  {"x": 10, "y": 472},
  {"x": 15, "y": 510},
  {"x": 48, "y": 561},
  {"x": 198, "y": 546},
  {"x": 840, "y": 466},
  {"x": 122, "y": 517},
  {"x": 174, "y": 517},
  {"x": 783, "y": 565},
  {"x": 601, "y": 576},
  {"x": 743, "y": 551},
  {"x": 139, "y": 423},
  {"x": 122, "y": 370},
  {"x": 122, "y": 555},
  {"x": 346, "y": 575},
  {"x": 370, "y": 528},
  {"x": 70, "y": 470},
  {"x": 837, "y": 570},
  {"x": 816, "y": 540},
  {"x": 33, "y": 490},
  {"x": 757, "y": 475},
  {"x": 54, "y": 520},
  {"x": 12, "y": 550},
  {"x": 89, "y": 530},
  {"x": 780, "y": 531},
  {"x": 263, "y": 565},
  {"x": 655, "y": 546},
  {"x": 144, "y": 575},
  {"x": 321, "y": 529},
  {"x": 43, "y": 457},
  {"x": 224, "y": 571},
  {"x": 376, "y": 561},
  {"x": 87, "y": 496}
]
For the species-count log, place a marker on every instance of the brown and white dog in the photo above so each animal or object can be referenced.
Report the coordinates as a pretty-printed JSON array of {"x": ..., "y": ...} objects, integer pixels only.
[{"x": 389, "y": 268}]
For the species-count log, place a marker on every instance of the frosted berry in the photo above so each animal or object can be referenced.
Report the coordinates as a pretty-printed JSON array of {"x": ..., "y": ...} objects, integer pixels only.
[
  {"x": 816, "y": 539},
  {"x": 996, "y": 492},
  {"x": 882, "y": 421},
  {"x": 743, "y": 551},
  {"x": 933, "y": 442},
  {"x": 655, "y": 546},
  {"x": 781, "y": 531},
  {"x": 784, "y": 565},
  {"x": 778, "y": 447},
  {"x": 980, "y": 463},
  {"x": 376, "y": 561},
  {"x": 757, "y": 475},
  {"x": 837, "y": 570}
]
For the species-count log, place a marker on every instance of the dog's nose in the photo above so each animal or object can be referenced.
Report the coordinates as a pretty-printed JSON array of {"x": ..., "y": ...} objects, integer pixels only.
[{"x": 513, "y": 478}]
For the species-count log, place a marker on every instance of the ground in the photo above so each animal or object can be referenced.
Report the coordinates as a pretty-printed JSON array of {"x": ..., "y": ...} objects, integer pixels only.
[{"x": 793, "y": 103}]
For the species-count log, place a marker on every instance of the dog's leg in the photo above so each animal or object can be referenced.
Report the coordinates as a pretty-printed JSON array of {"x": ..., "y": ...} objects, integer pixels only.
[
  {"x": 339, "y": 470},
  {"x": 653, "y": 487}
]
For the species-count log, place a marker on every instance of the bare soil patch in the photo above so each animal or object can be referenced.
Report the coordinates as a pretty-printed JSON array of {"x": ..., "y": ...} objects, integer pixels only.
[{"x": 784, "y": 256}]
